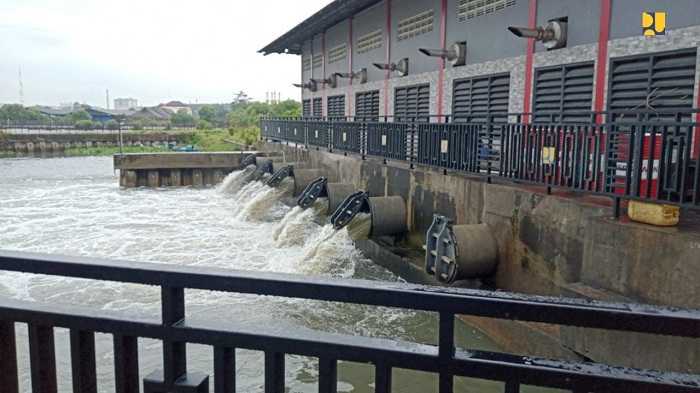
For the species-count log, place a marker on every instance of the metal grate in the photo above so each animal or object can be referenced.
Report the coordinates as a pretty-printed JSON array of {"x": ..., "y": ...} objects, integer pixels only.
[
  {"x": 657, "y": 81},
  {"x": 416, "y": 25},
  {"x": 336, "y": 106},
  {"x": 317, "y": 61},
  {"x": 369, "y": 41},
  {"x": 473, "y": 99},
  {"x": 563, "y": 92},
  {"x": 318, "y": 107},
  {"x": 367, "y": 105},
  {"x": 306, "y": 63},
  {"x": 412, "y": 102},
  {"x": 469, "y": 9},
  {"x": 306, "y": 108},
  {"x": 337, "y": 54}
]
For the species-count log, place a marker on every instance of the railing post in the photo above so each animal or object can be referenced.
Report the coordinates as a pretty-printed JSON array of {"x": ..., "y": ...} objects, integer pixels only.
[
  {"x": 126, "y": 364},
  {"x": 9, "y": 380},
  {"x": 327, "y": 375},
  {"x": 382, "y": 378},
  {"x": 274, "y": 372},
  {"x": 174, "y": 353},
  {"x": 224, "y": 370},
  {"x": 446, "y": 350},
  {"x": 42, "y": 358},
  {"x": 82, "y": 350}
]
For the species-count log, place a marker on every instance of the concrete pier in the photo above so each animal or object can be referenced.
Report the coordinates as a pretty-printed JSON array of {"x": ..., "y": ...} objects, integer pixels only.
[{"x": 196, "y": 169}]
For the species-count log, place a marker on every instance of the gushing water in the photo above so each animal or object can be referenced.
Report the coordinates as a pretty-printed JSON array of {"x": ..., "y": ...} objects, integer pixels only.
[
  {"x": 263, "y": 198},
  {"x": 360, "y": 226},
  {"x": 236, "y": 179},
  {"x": 298, "y": 224},
  {"x": 73, "y": 206}
]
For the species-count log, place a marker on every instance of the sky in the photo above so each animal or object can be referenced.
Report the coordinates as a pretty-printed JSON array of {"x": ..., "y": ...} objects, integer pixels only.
[{"x": 152, "y": 50}]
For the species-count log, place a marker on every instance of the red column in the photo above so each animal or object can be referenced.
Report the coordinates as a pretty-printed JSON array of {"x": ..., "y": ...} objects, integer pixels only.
[
  {"x": 602, "y": 60},
  {"x": 387, "y": 42},
  {"x": 443, "y": 43},
  {"x": 529, "y": 55}
]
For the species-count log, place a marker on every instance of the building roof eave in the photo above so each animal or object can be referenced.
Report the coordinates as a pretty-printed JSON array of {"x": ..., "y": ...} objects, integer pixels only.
[{"x": 291, "y": 42}]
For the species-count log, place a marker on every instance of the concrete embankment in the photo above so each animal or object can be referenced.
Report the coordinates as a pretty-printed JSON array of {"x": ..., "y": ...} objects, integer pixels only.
[
  {"x": 176, "y": 169},
  {"x": 56, "y": 143},
  {"x": 564, "y": 244}
]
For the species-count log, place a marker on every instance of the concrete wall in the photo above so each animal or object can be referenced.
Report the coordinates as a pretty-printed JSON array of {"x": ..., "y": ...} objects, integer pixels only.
[
  {"x": 562, "y": 244},
  {"x": 502, "y": 51}
]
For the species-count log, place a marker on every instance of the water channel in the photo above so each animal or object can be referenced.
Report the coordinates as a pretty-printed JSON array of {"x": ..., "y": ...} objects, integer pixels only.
[{"x": 74, "y": 206}]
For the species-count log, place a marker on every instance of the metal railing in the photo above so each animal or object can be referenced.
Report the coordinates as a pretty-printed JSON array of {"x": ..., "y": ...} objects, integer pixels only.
[
  {"x": 444, "y": 359},
  {"x": 640, "y": 155}
]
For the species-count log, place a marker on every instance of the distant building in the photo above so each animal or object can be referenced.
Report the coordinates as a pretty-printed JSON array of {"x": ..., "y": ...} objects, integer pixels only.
[
  {"x": 125, "y": 103},
  {"x": 176, "y": 106}
]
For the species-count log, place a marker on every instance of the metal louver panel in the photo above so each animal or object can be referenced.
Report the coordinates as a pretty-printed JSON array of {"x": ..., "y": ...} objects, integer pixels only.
[
  {"x": 412, "y": 102},
  {"x": 367, "y": 105},
  {"x": 336, "y": 106},
  {"x": 318, "y": 107},
  {"x": 306, "y": 108},
  {"x": 657, "y": 81},
  {"x": 563, "y": 92},
  {"x": 473, "y": 99}
]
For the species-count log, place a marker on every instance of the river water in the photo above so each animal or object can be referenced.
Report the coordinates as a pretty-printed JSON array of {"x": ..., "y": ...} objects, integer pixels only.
[{"x": 74, "y": 206}]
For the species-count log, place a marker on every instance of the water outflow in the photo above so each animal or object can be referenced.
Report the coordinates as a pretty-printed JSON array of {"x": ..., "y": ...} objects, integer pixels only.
[
  {"x": 298, "y": 224},
  {"x": 330, "y": 251},
  {"x": 235, "y": 180}
]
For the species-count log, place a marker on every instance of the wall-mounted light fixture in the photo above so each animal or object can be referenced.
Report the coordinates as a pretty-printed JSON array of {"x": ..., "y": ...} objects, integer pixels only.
[
  {"x": 360, "y": 75},
  {"x": 401, "y": 67},
  {"x": 311, "y": 85},
  {"x": 331, "y": 81},
  {"x": 456, "y": 54},
  {"x": 552, "y": 36}
]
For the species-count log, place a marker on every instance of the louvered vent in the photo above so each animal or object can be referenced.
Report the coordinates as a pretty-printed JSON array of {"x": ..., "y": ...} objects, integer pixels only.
[
  {"x": 470, "y": 9},
  {"x": 306, "y": 63},
  {"x": 367, "y": 105},
  {"x": 563, "y": 92},
  {"x": 659, "y": 81},
  {"x": 369, "y": 41},
  {"x": 474, "y": 99},
  {"x": 317, "y": 61},
  {"x": 306, "y": 108},
  {"x": 337, "y": 54},
  {"x": 318, "y": 107},
  {"x": 336, "y": 106},
  {"x": 416, "y": 25},
  {"x": 412, "y": 102}
]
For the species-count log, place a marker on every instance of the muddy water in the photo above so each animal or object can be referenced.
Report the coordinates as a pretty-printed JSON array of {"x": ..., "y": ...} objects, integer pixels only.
[{"x": 74, "y": 206}]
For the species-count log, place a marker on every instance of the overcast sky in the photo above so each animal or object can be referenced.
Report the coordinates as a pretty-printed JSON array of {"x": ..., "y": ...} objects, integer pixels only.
[{"x": 151, "y": 50}]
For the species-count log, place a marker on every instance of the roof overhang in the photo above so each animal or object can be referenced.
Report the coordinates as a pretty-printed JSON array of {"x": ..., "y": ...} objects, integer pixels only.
[{"x": 332, "y": 14}]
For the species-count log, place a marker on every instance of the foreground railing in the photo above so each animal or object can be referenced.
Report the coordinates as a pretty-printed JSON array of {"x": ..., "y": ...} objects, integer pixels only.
[
  {"x": 174, "y": 330},
  {"x": 647, "y": 156}
]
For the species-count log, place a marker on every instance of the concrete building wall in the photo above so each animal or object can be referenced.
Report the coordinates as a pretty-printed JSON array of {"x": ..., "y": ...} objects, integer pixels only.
[{"x": 503, "y": 52}]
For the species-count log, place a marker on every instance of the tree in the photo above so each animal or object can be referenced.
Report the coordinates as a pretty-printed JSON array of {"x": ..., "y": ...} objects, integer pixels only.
[
  {"x": 208, "y": 113},
  {"x": 182, "y": 119},
  {"x": 19, "y": 114},
  {"x": 79, "y": 115}
]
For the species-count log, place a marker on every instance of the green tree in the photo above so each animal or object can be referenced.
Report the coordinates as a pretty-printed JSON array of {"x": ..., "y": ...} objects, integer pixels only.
[
  {"x": 203, "y": 125},
  {"x": 182, "y": 119},
  {"x": 84, "y": 125},
  {"x": 112, "y": 125},
  {"x": 19, "y": 114},
  {"x": 208, "y": 113},
  {"x": 79, "y": 115}
]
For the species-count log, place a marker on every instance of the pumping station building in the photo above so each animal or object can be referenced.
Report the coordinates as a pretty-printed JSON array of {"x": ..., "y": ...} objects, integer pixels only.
[{"x": 548, "y": 147}]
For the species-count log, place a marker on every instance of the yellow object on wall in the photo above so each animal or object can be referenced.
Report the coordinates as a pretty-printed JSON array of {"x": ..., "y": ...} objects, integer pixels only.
[{"x": 654, "y": 214}]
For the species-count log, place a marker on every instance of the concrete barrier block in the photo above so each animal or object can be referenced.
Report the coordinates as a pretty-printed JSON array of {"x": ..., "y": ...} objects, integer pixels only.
[
  {"x": 131, "y": 180},
  {"x": 153, "y": 179},
  {"x": 197, "y": 178},
  {"x": 175, "y": 177}
]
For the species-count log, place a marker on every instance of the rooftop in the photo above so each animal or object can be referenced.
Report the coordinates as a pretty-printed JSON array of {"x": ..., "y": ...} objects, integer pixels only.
[{"x": 330, "y": 15}]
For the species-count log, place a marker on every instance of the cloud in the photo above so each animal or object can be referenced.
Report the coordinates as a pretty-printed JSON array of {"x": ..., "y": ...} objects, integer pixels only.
[{"x": 157, "y": 50}]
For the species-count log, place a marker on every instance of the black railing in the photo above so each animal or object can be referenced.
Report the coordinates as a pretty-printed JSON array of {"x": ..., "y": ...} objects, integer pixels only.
[
  {"x": 638, "y": 155},
  {"x": 444, "y": 359}
]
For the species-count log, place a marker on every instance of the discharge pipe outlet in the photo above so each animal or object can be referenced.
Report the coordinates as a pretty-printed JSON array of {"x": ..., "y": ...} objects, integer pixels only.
[
  {"x": 457, "y": 252},
  {"x": 263, "y": 167},
  {"x": 388, "y": 213},
  {"x": 321, "y": 188},
  {"x": 302, "y": 177}
]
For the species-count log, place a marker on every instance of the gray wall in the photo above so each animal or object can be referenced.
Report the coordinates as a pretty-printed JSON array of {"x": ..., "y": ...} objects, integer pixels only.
[
  {"x": 584, "y": 19},
  {"x": 306, "y": 52},
  {"x": 417, "y": 62},
  {"x": 487, "y": 36},
  {"x": 365, "y": 22},
  {"x": 335, "y": 36},
  {"x": 626, "y": 16}
]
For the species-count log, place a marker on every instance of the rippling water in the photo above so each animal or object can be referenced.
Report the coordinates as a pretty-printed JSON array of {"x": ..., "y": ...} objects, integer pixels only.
[{"x": 74, "y": 206}]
